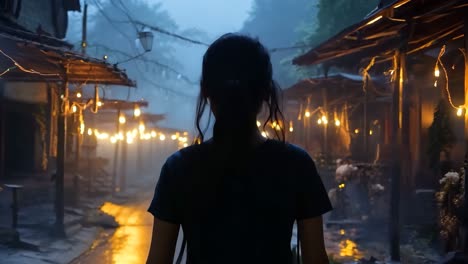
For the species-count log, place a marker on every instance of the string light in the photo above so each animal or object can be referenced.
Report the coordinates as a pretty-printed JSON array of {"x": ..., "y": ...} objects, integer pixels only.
[
  {"x": 90, "y": 132},
  {"x": 307, "y": 113},
  {"x": 291, "y": 128},
  {"x": 371, "y": 132},
  {"x": 324, "y": 120},
  {"x": 356, "y": 131},
  {"x": 319, "y": 121},
  {"x": 174, "y": 137},
  {"x": 337, "y": 123},
  {"x": 122, "y": 119},
  {"x": 78, "y": 95},
  {"x": 99, "y": 104},
  {"x": 162, "y": 137},
  {"x": 258, "y": 123},
  {"x": 437, "y": 71},
  {"x": 137, "y": 111},
  {"x": 185, "y": 145},
  {"x": 113, "y": 140},
  {"x": 264, "y": 134},
  {"x": 74, "y": 108},
  {"x": 460, "y": 111},
  {"x": 7, "y": 70},
  {"x": 82, "y": 128},
  {"x": 141, "y": 127},
  {"x": 153, "y": 134},
  {"x": 32, "y": 71}
]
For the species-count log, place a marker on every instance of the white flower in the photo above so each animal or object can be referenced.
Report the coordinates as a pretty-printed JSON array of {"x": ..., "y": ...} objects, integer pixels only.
[
  {"x": 377, "y": 187},
  {"x": 452, "y": 177}
]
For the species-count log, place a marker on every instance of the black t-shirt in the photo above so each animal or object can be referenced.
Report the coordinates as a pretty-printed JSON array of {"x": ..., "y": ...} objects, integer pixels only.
[{"x": 239, "y": 207}]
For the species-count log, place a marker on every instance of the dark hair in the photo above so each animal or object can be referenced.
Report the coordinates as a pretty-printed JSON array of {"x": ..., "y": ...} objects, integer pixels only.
[{"x": 237, "y": 75}]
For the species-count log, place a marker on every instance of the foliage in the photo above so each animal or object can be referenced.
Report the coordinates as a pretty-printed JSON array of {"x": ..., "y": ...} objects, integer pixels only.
[
  {"x": 333, "y": 16},
  {"x": 441, "y": 135},
  {"x": 450, "y": 200},
  {"x": 274, "y": 23}
]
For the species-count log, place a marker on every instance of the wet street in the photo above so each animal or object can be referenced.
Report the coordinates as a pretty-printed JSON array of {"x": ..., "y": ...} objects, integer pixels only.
[{"x": 127, "y": 244}]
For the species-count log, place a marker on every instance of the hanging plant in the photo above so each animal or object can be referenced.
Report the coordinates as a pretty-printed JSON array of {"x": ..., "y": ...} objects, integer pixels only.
[{"x": 441, "y": 135}]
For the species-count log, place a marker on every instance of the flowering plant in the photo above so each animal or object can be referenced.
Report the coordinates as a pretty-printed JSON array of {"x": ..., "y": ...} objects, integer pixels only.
[{"x": 450, "y": 200}]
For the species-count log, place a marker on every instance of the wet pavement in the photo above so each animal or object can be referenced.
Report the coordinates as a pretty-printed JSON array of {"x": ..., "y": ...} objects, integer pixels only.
[{"x": 129, "y": 243}]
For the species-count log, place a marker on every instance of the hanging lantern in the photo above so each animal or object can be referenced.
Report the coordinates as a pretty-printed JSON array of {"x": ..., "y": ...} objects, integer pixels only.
[{"x": 146, "y": 40}]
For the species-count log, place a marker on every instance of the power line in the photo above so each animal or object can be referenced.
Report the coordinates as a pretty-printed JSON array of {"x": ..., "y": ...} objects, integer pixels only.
[
  {"x": 163, "y": 31},
  {"x": 152, "y": 61}
]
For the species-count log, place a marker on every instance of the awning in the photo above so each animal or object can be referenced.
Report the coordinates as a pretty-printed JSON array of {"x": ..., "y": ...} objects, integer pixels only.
[
  {"x": 26, "y": 60},
  {"x": 339, "y": 86},
  {"x": 424, "y": 23}
]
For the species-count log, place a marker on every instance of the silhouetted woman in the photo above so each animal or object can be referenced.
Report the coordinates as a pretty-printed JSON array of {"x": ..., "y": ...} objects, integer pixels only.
[{"x": 238, "y": 194}]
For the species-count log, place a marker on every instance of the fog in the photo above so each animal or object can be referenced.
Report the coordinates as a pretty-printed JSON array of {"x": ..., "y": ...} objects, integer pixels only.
[{"x": 173, "y": 92}]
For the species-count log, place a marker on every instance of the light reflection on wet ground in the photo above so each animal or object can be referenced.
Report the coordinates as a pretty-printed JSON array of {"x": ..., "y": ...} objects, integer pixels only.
[{"x": 129, "y": 244}]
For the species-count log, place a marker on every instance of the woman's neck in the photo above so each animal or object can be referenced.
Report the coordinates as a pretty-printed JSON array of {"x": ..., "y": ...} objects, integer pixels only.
[{"x": 237, "y": 133}]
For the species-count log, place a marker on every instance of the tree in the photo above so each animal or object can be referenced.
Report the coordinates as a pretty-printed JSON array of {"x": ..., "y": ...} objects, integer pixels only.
[
  {"x": 441, "y": 136},
  {"x": 275, "y": 23},
  {"x": 333, "y": 16}
]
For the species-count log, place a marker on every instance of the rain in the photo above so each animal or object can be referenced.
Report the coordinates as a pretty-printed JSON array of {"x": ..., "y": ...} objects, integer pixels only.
[{"x": 96, "y": 95}]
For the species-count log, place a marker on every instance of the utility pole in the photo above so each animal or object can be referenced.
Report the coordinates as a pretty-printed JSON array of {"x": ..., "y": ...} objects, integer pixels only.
[{"x": 84, "y": 40}]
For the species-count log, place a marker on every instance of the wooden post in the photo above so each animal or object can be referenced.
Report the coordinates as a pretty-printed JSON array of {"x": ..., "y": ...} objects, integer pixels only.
[
  {"x": 465, "y": 244},
  {"x": 60, "y": 174},
  {"x": 116, "y": 156},
  {"x": 2, "y": 133},
  {"x": 76, "y": 184},
  {"x": 123, "y": 164},
  {"x": 325, "y": 126},
  {"x": 366, "y": 123},
  {"x": 397, "y": 152}
]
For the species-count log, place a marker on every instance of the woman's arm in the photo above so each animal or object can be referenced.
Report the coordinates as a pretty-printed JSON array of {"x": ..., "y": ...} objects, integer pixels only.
[
  {"x": 163, "y": 242},
  {"x": 312, "y": 244}
]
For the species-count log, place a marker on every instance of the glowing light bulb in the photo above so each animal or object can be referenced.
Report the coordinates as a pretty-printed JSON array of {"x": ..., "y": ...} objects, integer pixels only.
[
  {"x": 337, "y": 123},
  {"x": 460, "y": 111},
  {"x": 162, "y": 137},
  {"x": 82, "y": 128},
  {"x": 122, "y": 119},
  {"x": 307, "y": 114},
  {"x": 185, "y": 145},
  {"x": 130, "y": 140},
  {"x": 113, "y": 140},
  {"x": 319, "y": 121},
  {"x": 174, "y": 137},
  {"x": 437, "y": 71},
  {"x": 99, "y": 103},
  {"x": 291, "y": 128},
  {"x": 141, "y": 127},
  {"x": 258, "y": 123},
  {"x": 78, "y": 95},
  {"x": 74, "y": 109},
  {"x": 264, "y": 134},
  {"x": 435, "y": 83},
  {"x": 153, "y": 134},
  {"x": 137, "y": 111},
  {"x": 90, "y": 131},
  {"x": 371, "y": 132},
  {"x": 356, "y": 131}
]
